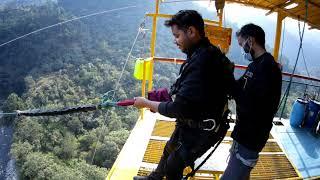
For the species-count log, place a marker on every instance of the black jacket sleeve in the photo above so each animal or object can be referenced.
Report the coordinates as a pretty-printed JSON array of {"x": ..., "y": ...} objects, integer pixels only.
[
  {"x": 236, "y": 88},
  {"x": 177, "y": 109}
]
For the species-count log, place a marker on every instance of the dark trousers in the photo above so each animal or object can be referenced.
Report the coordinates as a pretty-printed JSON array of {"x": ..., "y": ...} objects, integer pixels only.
[{"x": 183, "y": 148}]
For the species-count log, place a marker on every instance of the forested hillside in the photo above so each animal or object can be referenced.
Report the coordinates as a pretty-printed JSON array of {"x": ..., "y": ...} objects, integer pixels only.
[
  {"x": 75, "y": 64},
  {"x": 68, "y": 65}
]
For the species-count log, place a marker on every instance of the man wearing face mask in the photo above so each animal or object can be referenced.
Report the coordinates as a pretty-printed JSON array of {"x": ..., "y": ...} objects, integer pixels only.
[
  {"x": 200, "y": 98},
  {"x": 257, "y": 95}
]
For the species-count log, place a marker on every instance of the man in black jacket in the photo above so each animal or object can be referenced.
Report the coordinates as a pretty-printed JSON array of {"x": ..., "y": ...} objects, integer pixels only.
[
  {"x": 257, "y": 94},
  {"x": 200, "y": 94}
]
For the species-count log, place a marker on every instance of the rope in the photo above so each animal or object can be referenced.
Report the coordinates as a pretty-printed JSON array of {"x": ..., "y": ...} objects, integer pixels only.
[
  {"x": 7, "y": 114},
  {"x": 65, "y": 110},
  {"x": 303, "y": 57},
  {"x": 305, "y": 63},
  {"x": 54, "y": 112},
  {"x": 283, "y": 33},
  {"x": 204, "y": 161},
  {"x": 97, "y": 141},
  {"x": 64, "y": 22},
  {"x": 295, "y": 65},
  {"x": 305, "y": 95},
  {"x": 225, "y": 119},
  {"x": 144, "y": 35},
  {"x": 141, "y": 29}
]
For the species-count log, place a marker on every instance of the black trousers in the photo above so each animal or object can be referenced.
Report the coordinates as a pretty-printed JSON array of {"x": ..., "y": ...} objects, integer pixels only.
[{"x": 183, "y": 148}]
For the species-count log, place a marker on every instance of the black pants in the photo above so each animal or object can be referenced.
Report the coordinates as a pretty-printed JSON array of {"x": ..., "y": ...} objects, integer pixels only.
[{"x": 183, "y": 148}]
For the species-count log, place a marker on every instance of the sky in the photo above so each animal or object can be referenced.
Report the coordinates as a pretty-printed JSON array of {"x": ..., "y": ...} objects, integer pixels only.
[
  {"x": 243, "y": 14},
  {"x": 240, "y": 14}
]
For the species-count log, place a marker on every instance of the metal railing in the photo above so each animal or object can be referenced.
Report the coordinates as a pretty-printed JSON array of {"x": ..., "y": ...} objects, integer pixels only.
[{"x": 302, "y": 86}]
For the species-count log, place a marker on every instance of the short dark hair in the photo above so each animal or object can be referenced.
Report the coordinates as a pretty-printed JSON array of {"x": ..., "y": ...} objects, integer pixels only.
[
  {"x": 186, "y": 18},
  {"x": 254, "y": 31}
]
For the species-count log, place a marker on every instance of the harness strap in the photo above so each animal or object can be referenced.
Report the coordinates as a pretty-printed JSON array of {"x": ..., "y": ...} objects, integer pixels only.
[
  {"x": 193, "y": 172},
  {"x": 206, "y": 124},
  {"x": 220, "y": 132}
]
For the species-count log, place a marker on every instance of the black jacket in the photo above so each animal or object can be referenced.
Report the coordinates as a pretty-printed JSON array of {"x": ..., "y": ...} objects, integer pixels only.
[
  {"x": 202, "y": 88},
  {"x": 257, "y": 94}
]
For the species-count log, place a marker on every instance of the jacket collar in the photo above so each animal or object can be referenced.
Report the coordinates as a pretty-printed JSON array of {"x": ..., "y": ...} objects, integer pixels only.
[{"x": 204, "y": 42}]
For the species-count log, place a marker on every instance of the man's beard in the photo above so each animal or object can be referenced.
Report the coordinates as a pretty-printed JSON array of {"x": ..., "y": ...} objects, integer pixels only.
[{"x": 188, "y": 46}]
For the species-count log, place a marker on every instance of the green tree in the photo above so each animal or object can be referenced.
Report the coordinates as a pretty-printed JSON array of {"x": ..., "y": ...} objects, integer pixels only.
[
  {"x": 13, "y": 103},
  {"x": 75, "y": 125},
  {"x": 91, "y": 172},
  {"x": 87, "y": 141},
  {"x": 39, "y": 166},
  {"x": 29, "y": 130},
  {"x": 119, "y": 137},
  {"x": 68, "y": 148},
  {"x": 20, "y": 151},
  {"x": 106, "y": 154}
]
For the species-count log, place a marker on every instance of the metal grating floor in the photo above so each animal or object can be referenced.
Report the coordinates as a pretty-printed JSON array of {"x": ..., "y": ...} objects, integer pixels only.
[
  {"x": 165, "y": 128},
  {"x": 272, "y": 164}
]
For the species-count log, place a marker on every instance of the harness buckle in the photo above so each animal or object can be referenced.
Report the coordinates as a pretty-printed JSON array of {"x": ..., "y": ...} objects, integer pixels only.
[{"x": 212, "y": 127}]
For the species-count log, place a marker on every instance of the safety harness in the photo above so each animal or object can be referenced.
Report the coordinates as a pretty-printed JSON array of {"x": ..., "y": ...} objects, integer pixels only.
[{"x": 218, "y": 127}]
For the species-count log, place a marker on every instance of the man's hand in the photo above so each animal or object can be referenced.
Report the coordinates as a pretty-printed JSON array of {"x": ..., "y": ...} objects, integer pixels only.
[{"x": 141, "y": 102}]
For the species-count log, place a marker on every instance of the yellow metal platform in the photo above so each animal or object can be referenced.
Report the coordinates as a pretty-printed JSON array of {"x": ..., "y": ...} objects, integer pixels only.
[{"x": 144, "y": 147}]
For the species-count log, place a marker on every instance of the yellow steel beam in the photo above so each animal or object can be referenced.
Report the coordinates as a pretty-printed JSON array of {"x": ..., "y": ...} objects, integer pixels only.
[
  {"x": 150, "y": 83},
  {"x": 154, "y": 29},
  {"x": 153, "y": 43},
  {"x": 277, "y": 40},
  {"x": 143, "y": 90},
  {"x": 169, "y": 16}
]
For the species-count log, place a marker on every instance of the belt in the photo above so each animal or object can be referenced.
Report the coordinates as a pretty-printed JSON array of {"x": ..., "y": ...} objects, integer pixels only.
[{"x": 206, "y": 124}]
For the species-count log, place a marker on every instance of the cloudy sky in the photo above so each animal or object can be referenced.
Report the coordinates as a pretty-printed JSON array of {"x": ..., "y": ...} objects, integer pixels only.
[{"x": 241, "y": 15}]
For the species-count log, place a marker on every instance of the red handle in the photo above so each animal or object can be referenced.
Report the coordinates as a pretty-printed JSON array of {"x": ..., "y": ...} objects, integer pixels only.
[{"x": 127, "y": 102}]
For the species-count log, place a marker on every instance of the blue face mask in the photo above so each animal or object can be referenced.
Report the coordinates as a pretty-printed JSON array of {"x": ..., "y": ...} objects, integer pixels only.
[
  {"x": 247, "y": 55},
  {"x": 246, "y": 51}
]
